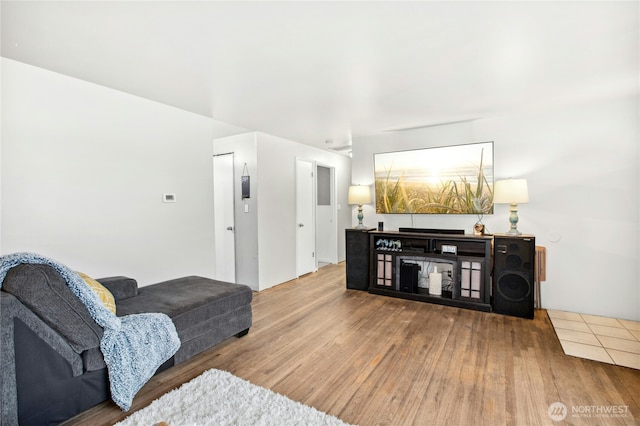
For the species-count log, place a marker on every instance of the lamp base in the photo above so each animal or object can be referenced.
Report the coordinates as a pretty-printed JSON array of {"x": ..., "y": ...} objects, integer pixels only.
[
  {"x": 360, "y": 217},
  {"x": 513, "y": 218}
]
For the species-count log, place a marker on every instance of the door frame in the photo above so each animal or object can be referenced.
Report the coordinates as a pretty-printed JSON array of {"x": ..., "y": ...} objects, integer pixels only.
[
  {"x": 313, "y": 213},
  {"x": 233, "y": 215},
  {"x": 333, "y": 256}
]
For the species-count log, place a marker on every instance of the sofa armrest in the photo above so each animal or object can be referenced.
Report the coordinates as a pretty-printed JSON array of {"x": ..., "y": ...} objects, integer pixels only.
[
  {"x": 120, "y": 287},
  {"x": 12, "y": 312}
]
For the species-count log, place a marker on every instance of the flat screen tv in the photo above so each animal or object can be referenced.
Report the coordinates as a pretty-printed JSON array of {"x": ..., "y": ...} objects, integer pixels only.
[{"x": 442, "y": 180}]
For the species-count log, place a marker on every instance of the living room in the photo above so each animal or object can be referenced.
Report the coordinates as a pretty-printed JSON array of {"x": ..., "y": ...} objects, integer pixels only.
[{"x": 86, "y": 158}]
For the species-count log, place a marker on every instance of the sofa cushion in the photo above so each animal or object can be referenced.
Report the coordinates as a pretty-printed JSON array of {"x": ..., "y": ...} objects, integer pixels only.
[
  {"x": 121, "y": 287},
  {"x": 190, "y": 302},
  {"x": 43, "y": 290},
  {"x": 105, "y": 295}
]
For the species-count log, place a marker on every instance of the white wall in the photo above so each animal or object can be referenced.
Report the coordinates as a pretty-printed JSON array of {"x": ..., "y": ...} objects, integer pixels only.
[
  {"x": 83, "y": 171},
  {"x": 582, "y": 166},
  {"x": 277, "y": 215},
  {"x": 268, "y": 231}
]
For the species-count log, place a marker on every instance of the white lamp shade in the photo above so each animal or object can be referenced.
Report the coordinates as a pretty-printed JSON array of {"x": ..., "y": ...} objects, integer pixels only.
[
  {"x": 510, "y": 191},
  {"x": 359, "y": 194}
]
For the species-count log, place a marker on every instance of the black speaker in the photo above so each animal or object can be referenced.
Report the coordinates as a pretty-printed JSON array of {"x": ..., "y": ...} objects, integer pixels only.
[
  {"x": 357, "y": 257},
  {"x": 513, "y": 275},
  {"x": 409, "y": 273}
]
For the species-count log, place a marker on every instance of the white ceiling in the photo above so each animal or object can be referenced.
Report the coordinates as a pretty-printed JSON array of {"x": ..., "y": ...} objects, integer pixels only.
[{"x": 328, "y": 71}]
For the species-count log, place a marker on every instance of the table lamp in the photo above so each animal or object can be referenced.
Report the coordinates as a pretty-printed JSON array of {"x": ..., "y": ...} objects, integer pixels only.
[
  {"x": 359, "y": 194},
  {"x": 513, "y": 192}
]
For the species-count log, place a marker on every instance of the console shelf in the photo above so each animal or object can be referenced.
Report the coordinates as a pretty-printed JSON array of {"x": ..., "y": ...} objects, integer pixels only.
[{"x": 400, "y": 264}]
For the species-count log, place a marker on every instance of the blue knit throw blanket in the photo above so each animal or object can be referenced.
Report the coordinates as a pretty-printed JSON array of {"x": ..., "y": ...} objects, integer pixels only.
[{"x": 133, "y": 346}]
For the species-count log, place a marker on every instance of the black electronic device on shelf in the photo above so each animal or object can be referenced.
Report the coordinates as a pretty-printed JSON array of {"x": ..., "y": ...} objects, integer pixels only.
[{"x": 409, "y": 273}]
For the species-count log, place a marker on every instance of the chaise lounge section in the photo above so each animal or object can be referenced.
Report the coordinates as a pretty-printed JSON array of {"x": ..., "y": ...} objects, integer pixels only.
[{"x": 51, "y": 364}]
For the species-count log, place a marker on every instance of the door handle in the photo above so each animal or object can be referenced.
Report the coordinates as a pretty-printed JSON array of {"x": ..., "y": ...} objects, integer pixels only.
[
  {"x": 300, "y": 225},
  {"x": 229, "y": 228}
]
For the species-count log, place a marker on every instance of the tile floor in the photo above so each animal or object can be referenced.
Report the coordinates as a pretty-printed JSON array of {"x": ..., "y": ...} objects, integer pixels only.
[{"x": 610, "y": 340}]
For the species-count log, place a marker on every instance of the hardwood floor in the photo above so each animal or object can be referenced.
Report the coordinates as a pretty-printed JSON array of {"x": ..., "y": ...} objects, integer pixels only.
[{"x": 376, "y": 360}]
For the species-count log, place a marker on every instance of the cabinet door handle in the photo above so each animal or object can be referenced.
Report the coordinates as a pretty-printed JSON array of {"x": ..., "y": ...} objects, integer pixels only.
[{"x": 300, "y": 225}]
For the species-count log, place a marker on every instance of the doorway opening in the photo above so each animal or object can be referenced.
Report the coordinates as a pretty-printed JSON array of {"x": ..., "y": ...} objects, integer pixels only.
[{"x": 326, "y": 216}]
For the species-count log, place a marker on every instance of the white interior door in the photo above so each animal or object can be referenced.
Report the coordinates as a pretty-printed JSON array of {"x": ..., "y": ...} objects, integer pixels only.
[
  {"x": 224, "y": 222},
  {"x": 305, "y": 220}
]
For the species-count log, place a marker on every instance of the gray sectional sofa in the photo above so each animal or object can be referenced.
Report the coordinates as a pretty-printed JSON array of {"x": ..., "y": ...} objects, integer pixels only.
[{"x": 51, "y": 366}]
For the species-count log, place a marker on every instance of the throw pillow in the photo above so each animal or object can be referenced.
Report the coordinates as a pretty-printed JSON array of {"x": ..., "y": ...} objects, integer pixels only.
[{"x": 105, "y": 295}]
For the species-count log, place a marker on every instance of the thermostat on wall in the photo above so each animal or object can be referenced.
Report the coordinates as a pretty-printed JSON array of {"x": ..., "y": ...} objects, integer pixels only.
[{"x": 168, "y": 198}]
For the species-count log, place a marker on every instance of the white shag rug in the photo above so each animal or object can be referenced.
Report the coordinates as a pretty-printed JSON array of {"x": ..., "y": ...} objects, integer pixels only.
[{"x": 219, "y": 398}]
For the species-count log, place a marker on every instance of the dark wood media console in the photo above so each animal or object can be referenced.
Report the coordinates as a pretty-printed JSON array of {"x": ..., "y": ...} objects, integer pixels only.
[{"x": 401, "y": 264}]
